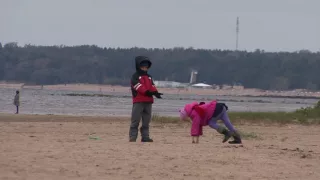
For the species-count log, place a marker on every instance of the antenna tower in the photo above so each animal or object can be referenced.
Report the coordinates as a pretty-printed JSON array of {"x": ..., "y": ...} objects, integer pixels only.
[{"x": 237, "y": 33}]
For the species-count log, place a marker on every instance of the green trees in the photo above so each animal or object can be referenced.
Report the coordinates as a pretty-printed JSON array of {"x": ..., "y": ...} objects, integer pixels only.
[{"x": 92, "y": 64}]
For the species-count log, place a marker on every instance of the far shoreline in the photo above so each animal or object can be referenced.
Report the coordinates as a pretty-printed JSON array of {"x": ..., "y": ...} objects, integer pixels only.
[{"x": 96, "y": 88}]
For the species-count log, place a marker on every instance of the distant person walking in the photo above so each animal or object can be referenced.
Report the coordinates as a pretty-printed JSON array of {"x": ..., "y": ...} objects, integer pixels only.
[{"x": 16, "y": 101}]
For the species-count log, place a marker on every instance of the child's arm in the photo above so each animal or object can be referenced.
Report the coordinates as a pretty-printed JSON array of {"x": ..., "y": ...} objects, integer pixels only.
[
  {"x": 137, "y": 85},
  {"x": 195, "y": 129},
  {"x": 195, "y": 139},
  {"x": 153, "y": 88}
]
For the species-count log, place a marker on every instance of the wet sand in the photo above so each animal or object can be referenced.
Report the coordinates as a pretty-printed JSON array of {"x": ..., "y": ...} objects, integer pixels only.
[
  {"x": 62, "y": 102},
  {"x": 62, "y": 147},
  {"x": 176, "y": 91}
]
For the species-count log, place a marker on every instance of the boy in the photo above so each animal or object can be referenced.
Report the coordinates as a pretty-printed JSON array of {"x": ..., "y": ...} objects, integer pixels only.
[
  {"x": 143, "y": 90},
  {"x": 16, "y": 101}
]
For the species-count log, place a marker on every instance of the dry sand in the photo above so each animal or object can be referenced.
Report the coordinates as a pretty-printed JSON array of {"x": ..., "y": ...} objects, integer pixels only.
[{"x": 58, "y": 147}]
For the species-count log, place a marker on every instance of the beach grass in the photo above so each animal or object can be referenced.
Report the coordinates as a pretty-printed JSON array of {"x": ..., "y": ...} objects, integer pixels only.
[
  {"x": 250, "y": 135},
  {"x": 305, "y": 116}
]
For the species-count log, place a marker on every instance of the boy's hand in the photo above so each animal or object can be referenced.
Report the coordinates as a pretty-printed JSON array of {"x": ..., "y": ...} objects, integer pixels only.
[
  {"x": 158, "y": 95},
  {"x": 148, "y": 93},
  {"x": 155, "y": 93}
]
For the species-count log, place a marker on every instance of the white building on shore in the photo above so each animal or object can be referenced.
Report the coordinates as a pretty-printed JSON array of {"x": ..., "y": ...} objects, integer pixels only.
[
  {"x": 169, "y": 84},
  {"x": 201, "y": 85}
]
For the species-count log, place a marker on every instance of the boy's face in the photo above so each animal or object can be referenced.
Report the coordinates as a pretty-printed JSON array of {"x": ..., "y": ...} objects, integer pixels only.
[{"x": 144, "y": 68}]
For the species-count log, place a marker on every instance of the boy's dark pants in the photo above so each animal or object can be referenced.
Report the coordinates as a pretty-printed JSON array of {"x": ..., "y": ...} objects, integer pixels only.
[{"x": 140, "y": 110}]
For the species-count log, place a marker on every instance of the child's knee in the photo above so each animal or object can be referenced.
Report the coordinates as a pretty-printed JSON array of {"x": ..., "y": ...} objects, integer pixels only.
[
  {"x": 220, "y": 129},
  {"x": 214, "y": 125},
  {"x": 230, "y": 126}
]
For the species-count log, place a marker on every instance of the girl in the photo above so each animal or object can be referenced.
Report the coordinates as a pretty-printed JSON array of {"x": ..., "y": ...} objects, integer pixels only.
[{"x": 203, "y": 114}]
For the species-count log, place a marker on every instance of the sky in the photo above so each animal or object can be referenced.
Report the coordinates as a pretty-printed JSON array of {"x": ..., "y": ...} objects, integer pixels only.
[{"x": 271, "y": 25}]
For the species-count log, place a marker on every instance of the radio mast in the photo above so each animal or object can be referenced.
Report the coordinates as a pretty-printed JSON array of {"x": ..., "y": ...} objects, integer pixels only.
[{"x": 237, "y": 34}]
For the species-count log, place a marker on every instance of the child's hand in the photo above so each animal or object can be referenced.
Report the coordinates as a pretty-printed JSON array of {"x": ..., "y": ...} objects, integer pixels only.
[
  {"x": 157, "y": 95},
  {"x": 148, "y": 93},
  {"x": 195, "y": 139}
]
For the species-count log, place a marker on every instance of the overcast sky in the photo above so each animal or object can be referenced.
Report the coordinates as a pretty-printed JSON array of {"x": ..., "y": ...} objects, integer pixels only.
[{"x": 272, "y": 25}]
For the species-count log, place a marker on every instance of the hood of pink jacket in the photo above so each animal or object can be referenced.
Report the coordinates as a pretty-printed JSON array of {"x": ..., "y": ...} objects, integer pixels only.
[
  {"x": 189, "y": 107},
  {"x": 207, "y": 108}
]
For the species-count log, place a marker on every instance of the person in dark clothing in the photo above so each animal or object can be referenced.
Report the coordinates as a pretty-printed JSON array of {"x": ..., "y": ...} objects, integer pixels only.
[
  {"x": 16, "y": 101},
  {"x": 143, "y": 90}
]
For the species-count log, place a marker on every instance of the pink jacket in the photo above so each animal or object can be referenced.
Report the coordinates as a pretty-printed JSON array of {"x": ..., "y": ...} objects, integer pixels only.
[{"x": 200, "y": 115}]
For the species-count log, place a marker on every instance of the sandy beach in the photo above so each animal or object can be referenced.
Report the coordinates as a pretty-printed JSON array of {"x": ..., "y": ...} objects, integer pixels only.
[{"x": 41, "y": 147}]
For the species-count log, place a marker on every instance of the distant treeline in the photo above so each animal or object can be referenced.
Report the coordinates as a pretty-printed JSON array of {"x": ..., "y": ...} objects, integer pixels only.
[{"x": 92, "y": 64}]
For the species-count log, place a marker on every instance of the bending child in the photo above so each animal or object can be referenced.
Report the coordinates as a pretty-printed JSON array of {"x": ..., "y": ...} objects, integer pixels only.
[{"x": 203, "y": 114}]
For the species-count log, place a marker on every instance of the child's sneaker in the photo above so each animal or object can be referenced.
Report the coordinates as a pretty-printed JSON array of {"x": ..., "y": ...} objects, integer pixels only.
[
  {"x": 226, "y": 134},
  {"x": 238, "y": 141},
  {"x": 146, "y": 140},
  {"x": 237, "y": 138}
]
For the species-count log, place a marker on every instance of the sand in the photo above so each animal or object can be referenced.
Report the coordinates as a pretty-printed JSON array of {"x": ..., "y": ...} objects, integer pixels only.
[{"x": 59, "y": 147}]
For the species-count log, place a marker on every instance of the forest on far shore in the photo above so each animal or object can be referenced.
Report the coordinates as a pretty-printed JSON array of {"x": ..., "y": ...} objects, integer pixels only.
[{"x": 92, "y": 64}]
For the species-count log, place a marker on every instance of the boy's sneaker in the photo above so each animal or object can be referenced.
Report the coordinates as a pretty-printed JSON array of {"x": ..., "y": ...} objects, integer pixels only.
[
  {"x": 132, "y": 140},
  {"x": 146, "y": 140}
]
